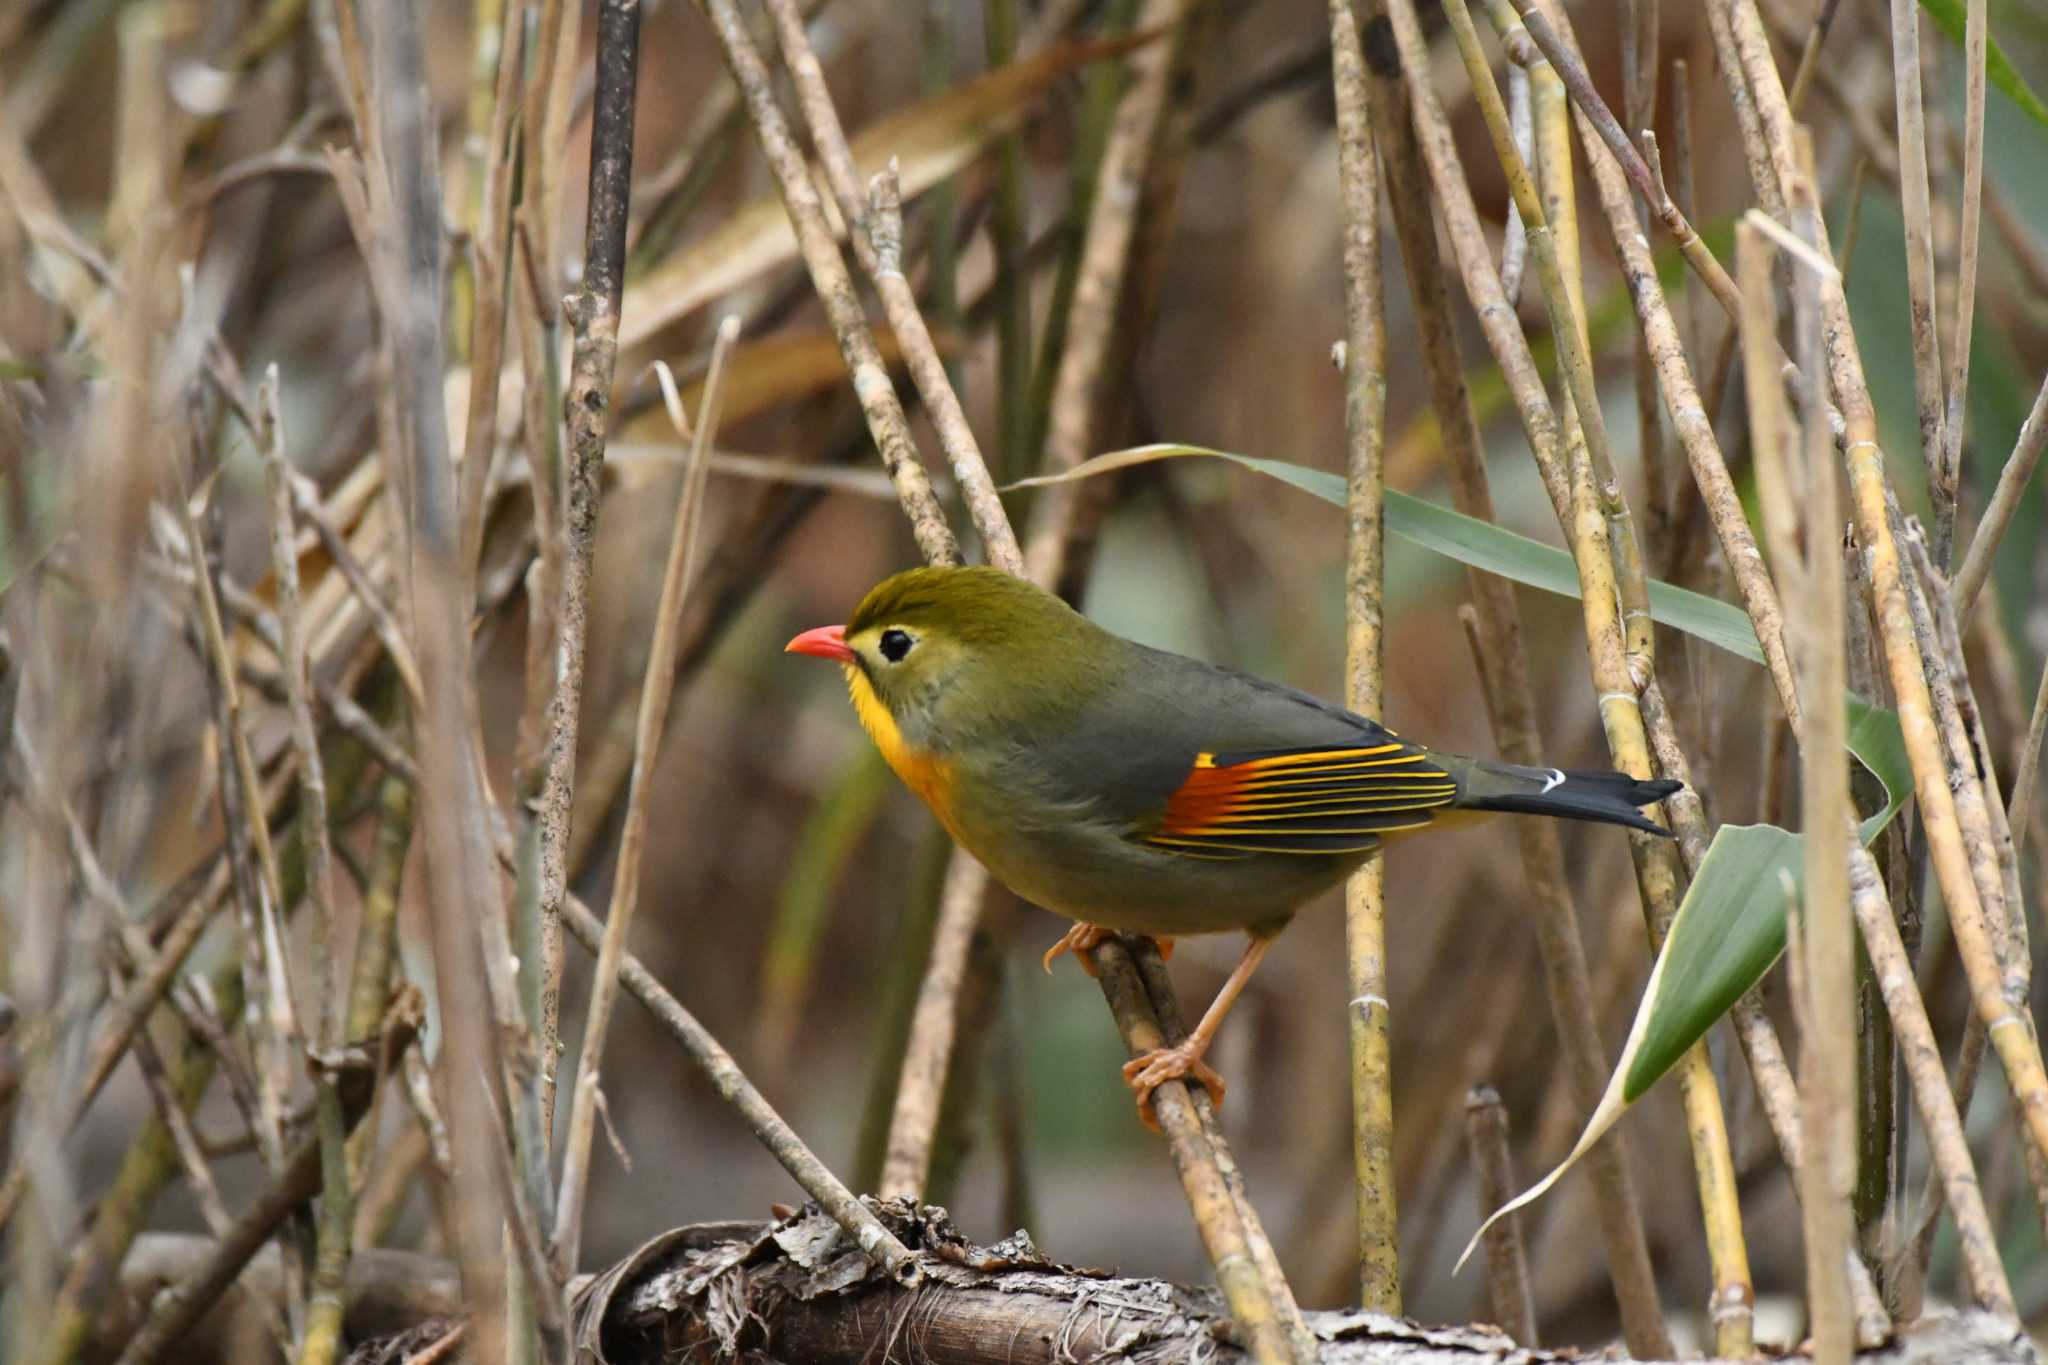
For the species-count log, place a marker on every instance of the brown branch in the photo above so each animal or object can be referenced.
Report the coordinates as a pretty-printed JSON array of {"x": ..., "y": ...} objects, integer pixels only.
[{"x": 725, "y": 1290}]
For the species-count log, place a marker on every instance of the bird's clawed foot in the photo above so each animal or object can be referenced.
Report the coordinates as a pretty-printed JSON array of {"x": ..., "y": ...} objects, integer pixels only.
[
  {"x": 1181, "y": 1062},
  {"x": 1083, "y": 938}
]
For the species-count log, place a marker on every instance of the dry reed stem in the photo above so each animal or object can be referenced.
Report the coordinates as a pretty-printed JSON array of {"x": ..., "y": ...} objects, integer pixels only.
[
  {"x": 876, "y": 231},
  {"x": 1363, "y": 361},
  {"x": 1104, "y": 255},
  {"x": 655, "y": 691},
  {"x": 471, "y": 954},
  {"x": 593, "y": 315},
  {"x": 1973, "y": 808},
  {"x": 1158, "y": 985},
  {"x": 1809, "y": 54},
  {"x": 1216, "y": 1212},
  {"x": 273, "y": 1024},
  {"x": 1509, "y": 694},
  {"x": 331, "y": 1253},
  {"x": 1808, "y": 517},
  {"x": 733, "y": 1086},
  {"x": 368, "y": 997},
  {"x": 2009, "y": 1030},
  {"x": 490, "y": 243},
  {"x": 2027, "y": 767},
  {"x": 1572, "y": 71},
  {"x": 878, "y": 401},
  {"x": 1507, "y": 1260},
  {"x": 1618, "y": 636},
  {"x": 2005, "y": 500},
  {"x": 920, "y": 1085},
  {"x": 177, "y": 1310},
  {"x": 1975, "y": 39},
  {"x": 1694, "y": 427},
  {"x": 1976, "y": 757},
  {"x": 1920, "y": 282},
  {"x": 1761, "y": 1049}
]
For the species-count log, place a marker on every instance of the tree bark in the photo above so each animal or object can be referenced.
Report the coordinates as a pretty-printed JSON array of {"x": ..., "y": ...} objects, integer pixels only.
[{"x": 797, "y": 1291}]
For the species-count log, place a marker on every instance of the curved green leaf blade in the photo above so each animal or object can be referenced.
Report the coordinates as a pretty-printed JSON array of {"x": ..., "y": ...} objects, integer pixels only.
[
  {"x": 1479, "y": 545},
  {"x": 1949, "y": 17}
]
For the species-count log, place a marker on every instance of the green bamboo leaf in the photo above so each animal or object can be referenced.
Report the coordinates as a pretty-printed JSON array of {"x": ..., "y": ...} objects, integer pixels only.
[
  {"x": 1729, "y": 931},
  {"x": 1874, "y": 736},
  {"x": 1949, "y": 17}
]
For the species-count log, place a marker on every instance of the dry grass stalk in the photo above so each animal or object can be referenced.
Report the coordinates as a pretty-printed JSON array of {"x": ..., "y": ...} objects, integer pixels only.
[
  {"x": 2005, "y": 500},
  {"x": 732, "y": 1084},
  {"x": 178, "y": 1310},
  {"x": 1103, "y": 257},
  {"x": 1507, "y": 1260},
  {"x": 654, "y": 698},
  {"x": 1209, "y": 1195},
  {"x": 875, "y": 227},
  {"x": 1158, "y": 984},
  {"x": 1363, "y": 361},
  {"x": 478, "y": 1001},
  {"x": 1914, "y": 201},
  {"x": 884, "y": 412},
  {"x": 1614, "y": 597},
  {"x": 2017, "y": 1050},
  {"x": 1509, "y": 692},
  {"x": 1806, "y": 513}
]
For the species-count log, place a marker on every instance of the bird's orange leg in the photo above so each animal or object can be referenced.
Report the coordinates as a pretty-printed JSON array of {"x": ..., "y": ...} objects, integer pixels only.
[
  {"x": 1183, "y": 1061},
  {"x": 1082, "y": 940}
]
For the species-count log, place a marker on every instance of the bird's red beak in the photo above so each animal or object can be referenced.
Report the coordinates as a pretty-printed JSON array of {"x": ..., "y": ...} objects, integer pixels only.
[{"x": 826, "y": 642}]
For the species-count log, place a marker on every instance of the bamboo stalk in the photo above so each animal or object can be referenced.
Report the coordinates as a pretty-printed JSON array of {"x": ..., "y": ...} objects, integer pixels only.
[
  {"x": 1209, "y": 1196},
  {"x": 1509, "y": 693},
  {"x": 834, "y": 286},
  {"x": 1914, "y": 202},
  {"x": 1618, "y": 636},
  {"x": 1808, "y": 517},
  {"x": 1507, "y": 1260},
  {"x": 1975, "y": 40},
  {"x": 1363, "y": 361},
  {"x": 1104, "y": 257},
  {"x": 2005, "y": 500},
  {"x": 2010, "y": 1032},
  {"x": 876, "y": 231},
  {"x": 1151, "y": 965}
]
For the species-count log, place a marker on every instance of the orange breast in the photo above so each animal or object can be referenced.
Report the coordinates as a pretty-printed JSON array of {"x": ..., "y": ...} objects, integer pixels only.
[{"x": 930, "y": 776}]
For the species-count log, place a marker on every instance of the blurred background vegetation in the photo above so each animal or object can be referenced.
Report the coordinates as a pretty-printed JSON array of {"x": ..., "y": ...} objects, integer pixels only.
[{"x": 788, "y": 884}]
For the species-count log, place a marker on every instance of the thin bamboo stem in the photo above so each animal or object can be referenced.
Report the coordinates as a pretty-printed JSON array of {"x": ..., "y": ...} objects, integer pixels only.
[
  {"x": 655, "y": 691},
  {"x": 876, "y": 231},
  {"x": 1509, "y": 693},
  {"x": 1101, "y": 268},
  {"x": 2010, "y": 1031},
  {"x": 2005, "y": 500},
  {"x": 834, "y": 286},
  {"x": 1209, "y": 1196},
  {"x": 1618, "y": 637},
  {"x": 1507, "y": 1260},
  {"x": 1975, "y": 40},
  {"x": 1363, "y": 361}
]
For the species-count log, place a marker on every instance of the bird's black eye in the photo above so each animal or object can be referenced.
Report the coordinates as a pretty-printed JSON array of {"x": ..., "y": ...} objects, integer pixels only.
[{"x": 895, "y": 644}]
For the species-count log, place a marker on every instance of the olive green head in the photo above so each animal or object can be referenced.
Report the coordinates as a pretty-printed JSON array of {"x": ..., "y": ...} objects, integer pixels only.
[{"x": 948, "y": 651}]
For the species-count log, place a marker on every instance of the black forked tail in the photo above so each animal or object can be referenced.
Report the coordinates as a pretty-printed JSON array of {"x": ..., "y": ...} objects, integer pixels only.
[{"x": 1581, "y": 794}]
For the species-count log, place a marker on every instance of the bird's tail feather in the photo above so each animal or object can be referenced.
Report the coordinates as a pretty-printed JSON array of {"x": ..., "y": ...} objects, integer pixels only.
[{"x": 1568, "y": 793}]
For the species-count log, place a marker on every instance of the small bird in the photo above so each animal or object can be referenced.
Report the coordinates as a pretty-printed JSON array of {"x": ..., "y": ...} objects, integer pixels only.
[{"x": 1137, "y": 791}]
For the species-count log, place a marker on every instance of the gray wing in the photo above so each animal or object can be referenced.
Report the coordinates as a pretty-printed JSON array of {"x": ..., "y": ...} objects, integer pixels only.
[{"x": 1145, "y": 738}]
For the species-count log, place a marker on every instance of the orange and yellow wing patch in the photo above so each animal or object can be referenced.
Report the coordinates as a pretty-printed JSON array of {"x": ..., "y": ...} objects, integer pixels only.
[{"x": 1319, "y": 801}]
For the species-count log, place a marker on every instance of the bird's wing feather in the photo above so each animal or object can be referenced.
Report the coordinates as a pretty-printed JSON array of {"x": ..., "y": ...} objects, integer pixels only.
[{"x": 1318, "y": 799}]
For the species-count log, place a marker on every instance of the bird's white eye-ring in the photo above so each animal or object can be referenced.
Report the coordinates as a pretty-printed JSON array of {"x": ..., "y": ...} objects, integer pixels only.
[{"x": 895, "y": 643}]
